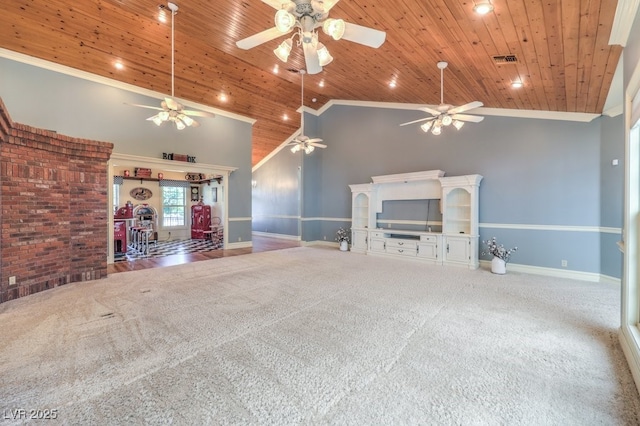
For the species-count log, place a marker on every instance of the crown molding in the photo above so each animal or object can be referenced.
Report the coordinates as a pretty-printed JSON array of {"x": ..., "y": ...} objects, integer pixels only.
[
  {"x": 498, "y": 112},
  {"x": 623, "y": 21}
]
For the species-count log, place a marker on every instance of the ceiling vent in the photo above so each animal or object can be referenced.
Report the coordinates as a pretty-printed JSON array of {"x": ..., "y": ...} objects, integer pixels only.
[{"x": 505, "y": 59}]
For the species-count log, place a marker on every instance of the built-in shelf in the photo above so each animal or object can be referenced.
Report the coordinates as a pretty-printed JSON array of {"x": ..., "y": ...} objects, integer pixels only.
[{"x": 152, "y": 179}]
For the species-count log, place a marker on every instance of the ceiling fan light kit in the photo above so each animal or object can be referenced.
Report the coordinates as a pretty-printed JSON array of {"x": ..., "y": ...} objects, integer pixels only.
[
  {"x": 324, "y": 57},
  {"x": 305, "y": 17},
  {"x": 445, "y": 114},
  {"x": 334, "y": 28},
  {"x": 284, "y": 21},
  {"x": 282, "y": 52}
]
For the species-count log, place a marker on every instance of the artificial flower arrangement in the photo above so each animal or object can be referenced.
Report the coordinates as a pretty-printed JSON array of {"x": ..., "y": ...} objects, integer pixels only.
[
  {"x": 498, "y": 250},
  {"x": 343, "y": 235}
]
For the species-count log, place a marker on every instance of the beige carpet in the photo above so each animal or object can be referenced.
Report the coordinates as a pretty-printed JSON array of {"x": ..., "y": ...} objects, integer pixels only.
[{"x": 318, "y": 336}]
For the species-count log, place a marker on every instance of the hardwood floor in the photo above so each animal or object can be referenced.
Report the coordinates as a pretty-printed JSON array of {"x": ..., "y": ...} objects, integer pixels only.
[{"x": 260, "y": 243}]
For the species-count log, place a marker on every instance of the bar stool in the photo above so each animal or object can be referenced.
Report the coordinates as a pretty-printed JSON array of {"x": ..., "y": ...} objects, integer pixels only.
[
  {"x": 136, "y": 236},
  {"x": 144, "y": 239}
]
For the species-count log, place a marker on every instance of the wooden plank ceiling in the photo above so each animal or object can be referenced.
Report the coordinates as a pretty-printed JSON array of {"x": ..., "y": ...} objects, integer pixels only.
[{"x": 562, "y": 52}]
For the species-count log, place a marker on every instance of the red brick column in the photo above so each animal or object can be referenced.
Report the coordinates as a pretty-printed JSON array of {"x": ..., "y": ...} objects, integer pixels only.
[{"x": 53, "y": 199}]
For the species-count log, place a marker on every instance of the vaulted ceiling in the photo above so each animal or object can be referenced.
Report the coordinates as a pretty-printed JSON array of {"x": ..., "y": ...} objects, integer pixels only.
[{"x": 560, "y": 47}]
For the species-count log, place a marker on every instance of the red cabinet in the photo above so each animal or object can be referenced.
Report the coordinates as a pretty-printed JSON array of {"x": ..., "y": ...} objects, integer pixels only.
[
  {"x": 119, "y": 236},
  {"x": 200, "y": 220}
]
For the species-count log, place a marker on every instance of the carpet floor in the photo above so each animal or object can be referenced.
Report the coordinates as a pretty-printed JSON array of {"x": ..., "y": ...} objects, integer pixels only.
[{"x": 317, "y": 336}]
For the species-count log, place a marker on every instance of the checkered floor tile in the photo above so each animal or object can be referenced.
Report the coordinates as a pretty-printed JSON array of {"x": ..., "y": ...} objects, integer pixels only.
[{"x": 167, "y": 248}]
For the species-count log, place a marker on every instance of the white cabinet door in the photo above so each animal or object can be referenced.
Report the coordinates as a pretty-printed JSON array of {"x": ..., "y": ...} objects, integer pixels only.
[
  {"x": 378, "y": 245},
  {"x": 456, "y": 249},
  {"x": 428, "y": 251},
  {"x": 359, "y": 240}
]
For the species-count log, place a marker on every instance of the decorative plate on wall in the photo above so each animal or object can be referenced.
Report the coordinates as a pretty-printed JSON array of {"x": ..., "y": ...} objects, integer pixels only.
[{"x": 141, "y": 193}]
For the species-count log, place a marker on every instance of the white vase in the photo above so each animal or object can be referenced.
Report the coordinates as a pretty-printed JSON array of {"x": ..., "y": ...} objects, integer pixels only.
[
  {"x": 344, "y": 245},
  {"x": 498, "y": 266}
]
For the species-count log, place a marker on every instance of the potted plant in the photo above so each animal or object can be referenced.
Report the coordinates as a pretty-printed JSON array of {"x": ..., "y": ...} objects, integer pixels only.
[
  {"x": 500, "y": 255},
  {"x": 343, "y": 236}
]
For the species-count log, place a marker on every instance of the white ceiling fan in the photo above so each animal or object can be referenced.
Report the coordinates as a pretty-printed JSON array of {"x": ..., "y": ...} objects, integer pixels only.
[
  {"x": 170, "y": 109},
  {"x": 306, "y": 16},
  {"x": 302, "y": 142},
  {"x": 445, "y": 114}
]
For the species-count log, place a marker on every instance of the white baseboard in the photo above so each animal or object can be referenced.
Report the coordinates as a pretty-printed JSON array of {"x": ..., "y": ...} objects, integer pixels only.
[
  {"x": 552, "y": 272},
  {"x": 239, "y": 244},
  {"x": 280, "y": 236},
  {"x": 320, "y": 243},
  {"x": 610, "y": 279},
  {"x": 629, "y": 338}
]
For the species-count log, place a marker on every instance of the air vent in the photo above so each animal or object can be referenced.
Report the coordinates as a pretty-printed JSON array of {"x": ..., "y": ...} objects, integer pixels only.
[{"x": 505, "y": 59}]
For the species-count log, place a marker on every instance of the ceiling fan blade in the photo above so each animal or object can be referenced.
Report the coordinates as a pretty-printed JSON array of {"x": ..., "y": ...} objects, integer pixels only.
[
  {"x": 314, "y": 140},
  {"x": 363, "y": 35},
  {"x": 194, "y": 123},
  {"x": 276, "y": 4},
  {"x": 318, "y": 145},
  {"x": 198, "y": 113},
  {"x": 259, "y": 38},
  {"x": 465, "y": 107},
  {"x": 466, "y": 117},
  {"x": 172, "y": 104},
  {"x": 311, "y": 59},
  {"x": 328, "y": 4},
  {"x": 431, "y": 111},
  {"x": 145, "y": 106},
  {"x": 417, "y": 121}
]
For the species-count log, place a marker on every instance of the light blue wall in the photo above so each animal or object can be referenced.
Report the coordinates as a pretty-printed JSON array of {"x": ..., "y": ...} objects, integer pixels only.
[
  {"x": 276, "y": 203},
  {"x": 611, "y": 194},
  {"x": 85, "y": 109},
  {"x": 542, "y": 186}
]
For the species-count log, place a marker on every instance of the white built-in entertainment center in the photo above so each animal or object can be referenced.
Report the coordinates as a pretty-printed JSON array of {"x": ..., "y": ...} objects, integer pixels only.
[{"x": 456, "y": 244}]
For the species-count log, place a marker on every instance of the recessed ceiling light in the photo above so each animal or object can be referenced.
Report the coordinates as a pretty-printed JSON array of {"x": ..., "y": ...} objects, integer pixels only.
[
  {"x": 321, "y": 84},
  {"x": 285, "y": 117},
  {"x": 483, "y": 8},
  {"x": 516, "y": 84},
  {"x": 276, "y": 69},
  {"x": 392, "y": 84},
  {"x": 223, "y": 97},
  {"x": 118, "y": 65}
]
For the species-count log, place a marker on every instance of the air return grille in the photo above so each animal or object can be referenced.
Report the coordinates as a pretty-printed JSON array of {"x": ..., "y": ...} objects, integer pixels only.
[{"x": 505, "y": 59}]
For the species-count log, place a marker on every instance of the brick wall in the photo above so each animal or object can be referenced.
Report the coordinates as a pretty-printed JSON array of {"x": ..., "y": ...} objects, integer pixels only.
[{"x": 53, "y": 199}]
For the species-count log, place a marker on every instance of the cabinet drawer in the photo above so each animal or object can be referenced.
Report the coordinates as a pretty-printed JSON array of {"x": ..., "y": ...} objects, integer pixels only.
[
  {"x": 429, "y": 238},
  {"x": 377, "y": 234},
  {"x": 403, "y": 251},
  {"x": 402, "y": 244}
]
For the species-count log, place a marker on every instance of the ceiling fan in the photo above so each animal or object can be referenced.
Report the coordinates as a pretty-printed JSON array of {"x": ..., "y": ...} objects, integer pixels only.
[
  {"x": 306, "y": 16},
  {"x": 302, "y": 142},
  {"x": 445, "y": 114},
  {"x": 170, "y": 109}
]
